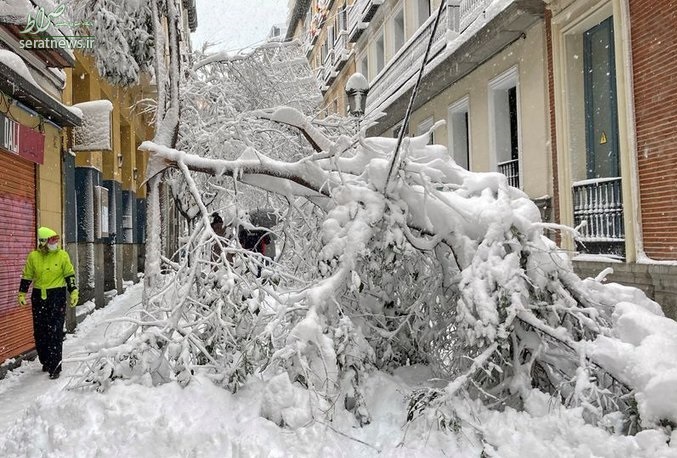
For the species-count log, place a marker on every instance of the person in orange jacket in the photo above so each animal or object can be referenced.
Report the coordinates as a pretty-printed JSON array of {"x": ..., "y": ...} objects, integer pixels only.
[{"x": 50, "y": 270}]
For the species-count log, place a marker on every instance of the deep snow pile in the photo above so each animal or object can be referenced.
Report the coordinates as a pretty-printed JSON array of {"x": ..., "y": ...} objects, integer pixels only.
[
  {"x": 642, "y": 351},
  {"x": 202, "y": 419}
]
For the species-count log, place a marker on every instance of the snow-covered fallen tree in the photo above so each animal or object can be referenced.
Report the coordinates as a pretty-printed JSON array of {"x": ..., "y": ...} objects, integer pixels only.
[
  {"x": 383, "y": 263},
  {"x": 441, "y": 266}
]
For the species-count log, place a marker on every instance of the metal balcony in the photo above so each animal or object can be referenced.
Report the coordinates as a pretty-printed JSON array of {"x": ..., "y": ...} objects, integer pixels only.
[
  {"x": 403, "y": 66},
  {"x": 511, "y": 171},
  {"x": 359, "y": 15},
  {"x": 458, "y": 49},
  {"x": 341, "y": 51},
  {"x": 470, "y": 10},
  {"x": 598, "y": 210}
]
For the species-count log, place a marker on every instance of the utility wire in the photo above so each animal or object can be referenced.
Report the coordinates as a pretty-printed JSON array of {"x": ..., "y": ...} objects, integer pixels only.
[{"x": 405, "y": 123}]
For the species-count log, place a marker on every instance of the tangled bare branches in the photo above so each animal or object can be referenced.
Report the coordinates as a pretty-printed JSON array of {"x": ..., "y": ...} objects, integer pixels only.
[{"x": 446, "y": 268}]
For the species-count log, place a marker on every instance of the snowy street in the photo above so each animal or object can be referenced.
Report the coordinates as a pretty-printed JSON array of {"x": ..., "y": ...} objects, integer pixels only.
[{"x": 41, "y": 418}]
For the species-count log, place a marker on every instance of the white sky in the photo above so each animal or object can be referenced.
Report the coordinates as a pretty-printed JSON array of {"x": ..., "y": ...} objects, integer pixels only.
[{"x": 236, "y": 24}]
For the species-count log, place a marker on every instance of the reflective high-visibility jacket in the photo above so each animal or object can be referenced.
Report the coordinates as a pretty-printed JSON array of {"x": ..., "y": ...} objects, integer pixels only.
[{"x": 47, "y": 270}]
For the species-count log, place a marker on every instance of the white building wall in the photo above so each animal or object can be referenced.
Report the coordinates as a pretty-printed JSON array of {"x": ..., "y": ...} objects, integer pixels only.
[{"x": 529, "y": 56}]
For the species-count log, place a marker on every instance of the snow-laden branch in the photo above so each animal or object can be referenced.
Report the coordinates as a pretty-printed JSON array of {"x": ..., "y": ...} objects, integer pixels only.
[{"x": 299, "y": 178}]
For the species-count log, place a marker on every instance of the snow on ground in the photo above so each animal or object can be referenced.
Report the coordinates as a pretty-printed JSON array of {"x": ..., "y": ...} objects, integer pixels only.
[{"x": 38, "y": 417}]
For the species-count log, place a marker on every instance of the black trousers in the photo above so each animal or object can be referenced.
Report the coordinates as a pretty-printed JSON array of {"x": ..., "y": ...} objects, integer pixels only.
[{"x": 48, "y": 318}]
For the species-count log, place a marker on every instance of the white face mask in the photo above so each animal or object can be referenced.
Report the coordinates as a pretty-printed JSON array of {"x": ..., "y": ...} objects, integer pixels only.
[{"x": 52, "y": 246}]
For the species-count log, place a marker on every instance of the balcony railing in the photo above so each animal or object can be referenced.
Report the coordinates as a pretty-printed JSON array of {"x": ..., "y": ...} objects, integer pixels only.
[
  {"x": 599, "y": 203},
  {"x": 470, "y": 10},
  {"x": 399, "y": 73},
  {"x": 512, "y": 172},
  {"x": 329, "y": 67},
  {"x": 359, "y": 15},
  {"x": 404, "y": 65},
  {"x": 341, "y": 50}
]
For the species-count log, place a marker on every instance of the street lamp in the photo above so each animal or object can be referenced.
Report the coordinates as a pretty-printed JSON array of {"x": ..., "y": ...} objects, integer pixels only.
[{"x": 357, "y": 89}]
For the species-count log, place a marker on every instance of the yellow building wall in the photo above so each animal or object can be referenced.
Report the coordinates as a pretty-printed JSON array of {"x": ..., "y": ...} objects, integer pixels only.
[
  {"x": 335, "y": 99},
  {"x": 50, "y": 199},
  {"x": 129, "y": 128},
  {"x": 528, "y": 55},
  {"x": 86, "y": 87}
]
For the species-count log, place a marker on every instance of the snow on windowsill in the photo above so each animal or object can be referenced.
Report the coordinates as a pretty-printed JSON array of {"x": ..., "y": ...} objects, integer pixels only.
[
  {"x": 644, "y": 259},
  {"x": 586, "y": 257}
]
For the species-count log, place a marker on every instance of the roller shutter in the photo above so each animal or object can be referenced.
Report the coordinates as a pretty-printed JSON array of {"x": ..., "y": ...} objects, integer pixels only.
[{"x": 17, "y": 239}]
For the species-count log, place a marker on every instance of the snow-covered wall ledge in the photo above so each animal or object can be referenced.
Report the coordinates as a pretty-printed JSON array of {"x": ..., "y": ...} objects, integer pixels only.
[
  {"x": 95, "y": 132},
  {"x": 658, "y": 280}
]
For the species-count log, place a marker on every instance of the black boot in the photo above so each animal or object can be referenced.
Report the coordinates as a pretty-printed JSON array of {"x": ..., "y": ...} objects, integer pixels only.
[{"x": 54, "y": 375}]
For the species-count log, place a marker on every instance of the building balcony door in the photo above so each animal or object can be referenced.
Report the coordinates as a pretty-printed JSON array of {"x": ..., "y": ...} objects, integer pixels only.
[{"x": 598, "y": 199}]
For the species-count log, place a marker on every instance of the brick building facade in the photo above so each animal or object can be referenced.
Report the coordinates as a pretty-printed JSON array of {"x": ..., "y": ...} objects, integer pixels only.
[
  {"x": 642, "y": 129},
  {"x": 654, "y": 70}
]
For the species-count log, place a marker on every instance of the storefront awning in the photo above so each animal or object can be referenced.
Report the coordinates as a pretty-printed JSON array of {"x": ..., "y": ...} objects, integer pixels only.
[{"x": 18, "y": 87}]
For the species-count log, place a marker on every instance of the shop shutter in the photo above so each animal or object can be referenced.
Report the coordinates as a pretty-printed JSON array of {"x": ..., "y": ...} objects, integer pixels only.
[{"x": 17, "y": 239}]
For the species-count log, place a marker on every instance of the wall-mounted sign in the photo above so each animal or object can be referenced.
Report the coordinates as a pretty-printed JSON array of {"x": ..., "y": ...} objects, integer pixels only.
[
  {"x": 9, "y": 135},
  {"x": 18, "y": 139}
]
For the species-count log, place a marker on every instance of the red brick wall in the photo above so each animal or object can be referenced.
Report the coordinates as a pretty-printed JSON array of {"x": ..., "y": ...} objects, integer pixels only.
[
  {"x": 553, "y": 129},
  {"x": 654, "y": 55}
]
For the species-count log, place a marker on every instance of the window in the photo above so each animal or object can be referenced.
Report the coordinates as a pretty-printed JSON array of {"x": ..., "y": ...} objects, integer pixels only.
[
  {"x": 364, "y": 67},
  {"x": 589, "y": 100},
  {"x": 423, "y": 9},
  {"x": 380, "y": 53},
  {"x": 398, "y": 30},
  {"x": 330, "y": 36},
  {"x": 425, "y": 126},
  {"x": 504, "y": 118},
  {"x": 458, "y": 126},
  {"x": 325, "y": 51},
  {"x": 396, "y": 130},
  {"x": 595, "y": 139},
  {"x": 342, "y": 19}
]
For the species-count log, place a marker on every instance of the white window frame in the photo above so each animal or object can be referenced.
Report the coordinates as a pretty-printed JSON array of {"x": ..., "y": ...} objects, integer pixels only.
[
  {"x": 363, "y": 65},
  {"x": 399, "y": 11},
  {"x": 419, "y": 20},
  {"x": 457, "y": 108},
  {"x": 395, "y": 132},
  {"x": 503, "y": 82},
  {"x": 380, "y": 36},
  {"x": 425, "y": 126}
]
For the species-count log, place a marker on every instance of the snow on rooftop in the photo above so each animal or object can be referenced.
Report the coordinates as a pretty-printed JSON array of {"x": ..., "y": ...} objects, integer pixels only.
[
  {"x": 17, "y": 64},
  {"x": 15, "y": 11}
]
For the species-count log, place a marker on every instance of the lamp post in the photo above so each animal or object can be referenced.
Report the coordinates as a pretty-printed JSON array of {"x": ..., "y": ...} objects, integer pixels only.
[{"x": 357, "y": 89}]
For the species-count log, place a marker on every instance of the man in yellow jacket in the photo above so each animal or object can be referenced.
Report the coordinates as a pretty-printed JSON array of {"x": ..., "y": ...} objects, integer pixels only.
[{"x": 51, "y": 271}]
